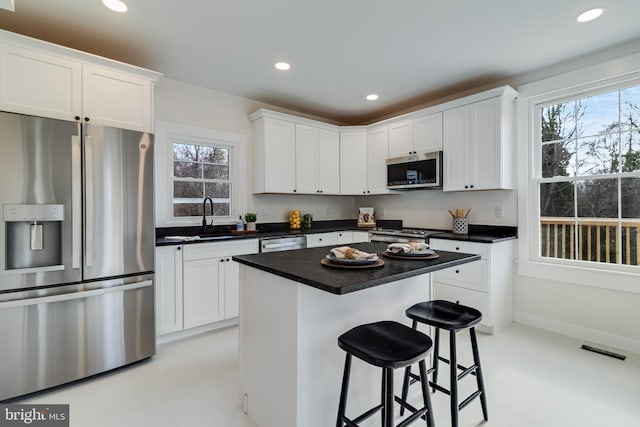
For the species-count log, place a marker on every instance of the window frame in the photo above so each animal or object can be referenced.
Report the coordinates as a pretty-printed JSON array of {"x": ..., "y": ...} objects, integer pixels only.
[
  {"x": 554, "y": 90},
  {"x": 211, "y": 144},
  {"x": 166, "y": 134}
]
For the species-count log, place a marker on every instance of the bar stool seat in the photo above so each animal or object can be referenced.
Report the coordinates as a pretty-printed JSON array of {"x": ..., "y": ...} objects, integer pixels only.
[
  {"x": 388, "y": 345},
  {"x": 451, "y": 317}
]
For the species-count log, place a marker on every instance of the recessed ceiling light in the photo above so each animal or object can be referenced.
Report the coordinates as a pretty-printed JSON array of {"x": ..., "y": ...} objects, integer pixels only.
[
  {"x": 590, "y": 15},
  {"x": 283, "y": 66},
  {"x": 372, "y": 97},
  {"x": 116, "y": 5}
]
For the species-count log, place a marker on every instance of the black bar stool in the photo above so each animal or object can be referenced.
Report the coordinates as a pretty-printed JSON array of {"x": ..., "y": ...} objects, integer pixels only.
[
  {"x": 453, "y": 318},
  {"x": 388, "y": 345}
]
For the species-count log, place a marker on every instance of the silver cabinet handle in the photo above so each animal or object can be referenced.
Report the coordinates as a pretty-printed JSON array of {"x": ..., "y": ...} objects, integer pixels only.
[{"x": 89, "y": 201}]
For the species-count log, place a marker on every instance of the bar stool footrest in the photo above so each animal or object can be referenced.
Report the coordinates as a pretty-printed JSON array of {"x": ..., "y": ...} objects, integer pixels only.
[
  {"x": 417, "y": 413},
  {"x": 469, "y": 399}
]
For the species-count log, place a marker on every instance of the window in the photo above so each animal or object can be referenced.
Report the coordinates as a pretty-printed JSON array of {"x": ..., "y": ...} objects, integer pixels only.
[
  {"x": 201, "y": 171},
  {"x": 588, "y": 180}
]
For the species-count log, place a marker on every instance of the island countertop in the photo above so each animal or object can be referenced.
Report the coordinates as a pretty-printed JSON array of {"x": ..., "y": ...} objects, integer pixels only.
[{"x": 303, "y": 266}]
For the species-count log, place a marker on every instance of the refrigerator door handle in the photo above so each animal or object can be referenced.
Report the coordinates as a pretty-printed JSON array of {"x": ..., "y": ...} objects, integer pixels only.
[
  {"x": 74, "y": 295},
  {"x": 76, "y": 202},
  {"x": 89, "y": 202}
]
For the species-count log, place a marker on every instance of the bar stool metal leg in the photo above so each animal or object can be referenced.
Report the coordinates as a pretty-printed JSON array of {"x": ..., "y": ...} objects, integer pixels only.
[
  {"x": 344, "y": 390},
  {"x": 479, "y": 377},
  {"x": 388, "y": 400}
]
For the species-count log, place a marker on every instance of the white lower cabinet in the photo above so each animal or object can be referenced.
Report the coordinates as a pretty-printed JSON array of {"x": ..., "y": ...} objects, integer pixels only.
[
  {"x": 486, "y": 285},
  {"x": 168, "y": 286},
  {"x": 198, "y": 284}
]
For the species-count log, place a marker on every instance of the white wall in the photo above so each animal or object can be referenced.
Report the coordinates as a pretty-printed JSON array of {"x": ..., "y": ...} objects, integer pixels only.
[
  {"x": 189, "y": 105},
  {"x": 428, "y": 208}
]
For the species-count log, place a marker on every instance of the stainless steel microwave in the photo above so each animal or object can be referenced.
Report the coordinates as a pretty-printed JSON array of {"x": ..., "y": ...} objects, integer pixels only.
[{"x": 420, "y": 170}]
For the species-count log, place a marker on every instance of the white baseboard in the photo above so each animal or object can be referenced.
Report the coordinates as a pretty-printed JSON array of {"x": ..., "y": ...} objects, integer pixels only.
[
  {"x": 161, "y": 339},
  {"x": 594, "y": 336}
]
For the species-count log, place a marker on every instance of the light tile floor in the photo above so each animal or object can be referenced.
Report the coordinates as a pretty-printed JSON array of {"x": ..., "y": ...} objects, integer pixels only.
[{"x": 534, "y": 379}]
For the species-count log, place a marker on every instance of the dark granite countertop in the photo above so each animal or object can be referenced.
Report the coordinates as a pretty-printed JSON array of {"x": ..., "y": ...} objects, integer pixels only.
[
  {"x": 481, "y": 234},
  {"x": 280, "y": 229},
  {"x": 303, "y": 266}
]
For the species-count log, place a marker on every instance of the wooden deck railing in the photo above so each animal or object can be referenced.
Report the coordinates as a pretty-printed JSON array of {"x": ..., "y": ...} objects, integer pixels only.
[{"x": 591, "y": 239}]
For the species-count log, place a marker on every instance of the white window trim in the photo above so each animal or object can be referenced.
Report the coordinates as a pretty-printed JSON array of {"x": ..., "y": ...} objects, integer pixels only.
[
  {"x": 619, "y": 72},
  {"x": 166, "y": 134}
]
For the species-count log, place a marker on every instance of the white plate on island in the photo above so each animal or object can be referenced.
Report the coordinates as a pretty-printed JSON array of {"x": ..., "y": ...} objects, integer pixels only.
[{"x": 347, "y": 261}]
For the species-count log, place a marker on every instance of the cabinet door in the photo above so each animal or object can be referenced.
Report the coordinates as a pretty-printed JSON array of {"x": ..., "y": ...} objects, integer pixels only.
[
  {"x": 428, "y": 133},
  {"x": 485, "y": 167},
  {"x": 203, "y": 301},
  {"x": 353, "y": 162},
  {"x": 401, "y": 138},
  {"x": 455, "y": 132},
  {"x": 377, "y": 155},
  {"x": 306, "y": 153},
  {"x": 168, "y": 287},
  {"x": 360, "y": 236},
  {"x": 117, "y": 99},
  {"x": 279, "y": 156},
  {"x": 328, "y": 161},
  {"x": 39, "y": 84},
  {"x": 231, "y": 288}
]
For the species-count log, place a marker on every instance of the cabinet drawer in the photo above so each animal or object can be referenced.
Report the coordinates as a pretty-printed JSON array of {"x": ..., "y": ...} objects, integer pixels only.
[
  {"x": 474, "y": 275},
  {"x": 482, "y": 249},
  {"x": 475, "y": 299},
  {"x": 322, "y": 239},
  {"x": 214, "y": 250}
]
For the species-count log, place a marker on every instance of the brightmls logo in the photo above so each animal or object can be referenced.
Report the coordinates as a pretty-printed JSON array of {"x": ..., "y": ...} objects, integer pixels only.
[{"x": 34, "y": 415}]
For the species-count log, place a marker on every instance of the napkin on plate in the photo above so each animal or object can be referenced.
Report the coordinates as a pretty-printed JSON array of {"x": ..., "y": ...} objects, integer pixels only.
[
  {"x": 346, "y": 252},
  {"x": 409, "y": 247}
]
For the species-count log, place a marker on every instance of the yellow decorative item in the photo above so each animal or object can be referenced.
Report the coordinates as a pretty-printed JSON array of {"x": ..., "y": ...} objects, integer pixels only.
[{"x": 294, "y": 220}]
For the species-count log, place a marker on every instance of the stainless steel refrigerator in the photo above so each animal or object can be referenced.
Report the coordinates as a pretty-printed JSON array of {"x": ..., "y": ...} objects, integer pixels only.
[{"x": 76, "y": 251}]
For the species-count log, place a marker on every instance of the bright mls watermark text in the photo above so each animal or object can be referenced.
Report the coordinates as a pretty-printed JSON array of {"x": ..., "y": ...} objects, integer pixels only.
[{"x": 13, "y": 415}]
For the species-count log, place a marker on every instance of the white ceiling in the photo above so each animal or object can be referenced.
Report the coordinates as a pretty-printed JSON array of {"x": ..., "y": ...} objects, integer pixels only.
[{"x": 407, "y": 51}]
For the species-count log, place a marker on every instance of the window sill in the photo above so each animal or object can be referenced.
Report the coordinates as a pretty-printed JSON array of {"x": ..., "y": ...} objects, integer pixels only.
[{"x": 625, "y": 281}]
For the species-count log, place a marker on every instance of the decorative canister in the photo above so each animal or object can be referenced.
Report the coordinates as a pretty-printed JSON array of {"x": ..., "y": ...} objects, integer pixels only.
[{"x": 460, "y": 226}]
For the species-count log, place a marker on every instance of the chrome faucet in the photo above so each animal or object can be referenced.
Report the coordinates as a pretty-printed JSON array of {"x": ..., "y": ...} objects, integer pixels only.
[{"x": 204, "y": 212}]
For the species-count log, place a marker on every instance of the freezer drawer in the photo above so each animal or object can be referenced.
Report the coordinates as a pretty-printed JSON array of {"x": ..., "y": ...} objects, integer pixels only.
[{"x": 54, "y": 339}]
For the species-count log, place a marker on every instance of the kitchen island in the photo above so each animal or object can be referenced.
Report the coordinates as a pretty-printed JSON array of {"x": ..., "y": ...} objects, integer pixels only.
[{"x": 292, "y": 310}]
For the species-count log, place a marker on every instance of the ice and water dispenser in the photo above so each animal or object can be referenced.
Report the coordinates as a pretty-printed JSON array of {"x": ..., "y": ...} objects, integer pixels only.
[{"x": 33, "y": 236}]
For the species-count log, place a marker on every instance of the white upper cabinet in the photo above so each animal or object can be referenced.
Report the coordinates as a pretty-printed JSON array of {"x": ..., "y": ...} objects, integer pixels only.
[
  {"x": 411, "y": 136},
  {"x": 401, "y": 138},
  {"x": 274, "y": 155},
  {"x": 306, "y": 159},
  {"x": 292, "y": 157},
  {"x": 353, "y": 162},
  {"x": 328, "y": 161},
  {"x": 117, "y": 99},
  {"x": 478, "y": 145},
  {"x": 47, "y": 80},
  {"x": 377, "y": 155},
  {"x": 317, "y": 160},
  {"x": 427, "y": 133}
]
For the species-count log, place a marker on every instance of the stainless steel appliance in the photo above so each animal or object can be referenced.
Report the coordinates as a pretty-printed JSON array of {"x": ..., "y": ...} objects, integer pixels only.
[
  {"x": 401, "y": 236},
  {"x": 420, "y": 170},
  {"x": 76, "y": 251},
  {"x": 284, "y": 243}
]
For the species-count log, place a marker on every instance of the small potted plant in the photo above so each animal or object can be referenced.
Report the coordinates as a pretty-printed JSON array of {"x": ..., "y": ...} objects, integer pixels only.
[{"x": 251, "y": 218}]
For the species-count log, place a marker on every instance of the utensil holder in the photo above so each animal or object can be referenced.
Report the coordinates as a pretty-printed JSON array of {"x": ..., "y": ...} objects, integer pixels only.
[{"x": 460, "y": 226}]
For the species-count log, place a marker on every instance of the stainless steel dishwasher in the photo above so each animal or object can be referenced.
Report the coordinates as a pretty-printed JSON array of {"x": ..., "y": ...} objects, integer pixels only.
[{"x": 285, "y": 243}]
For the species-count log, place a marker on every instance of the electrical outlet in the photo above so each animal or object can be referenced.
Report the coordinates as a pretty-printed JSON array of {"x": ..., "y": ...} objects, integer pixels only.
[
  {"x": 499, "y": 211},
  {"x": 326, "y": 210},
  {"x": 263, "y": 211}
]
